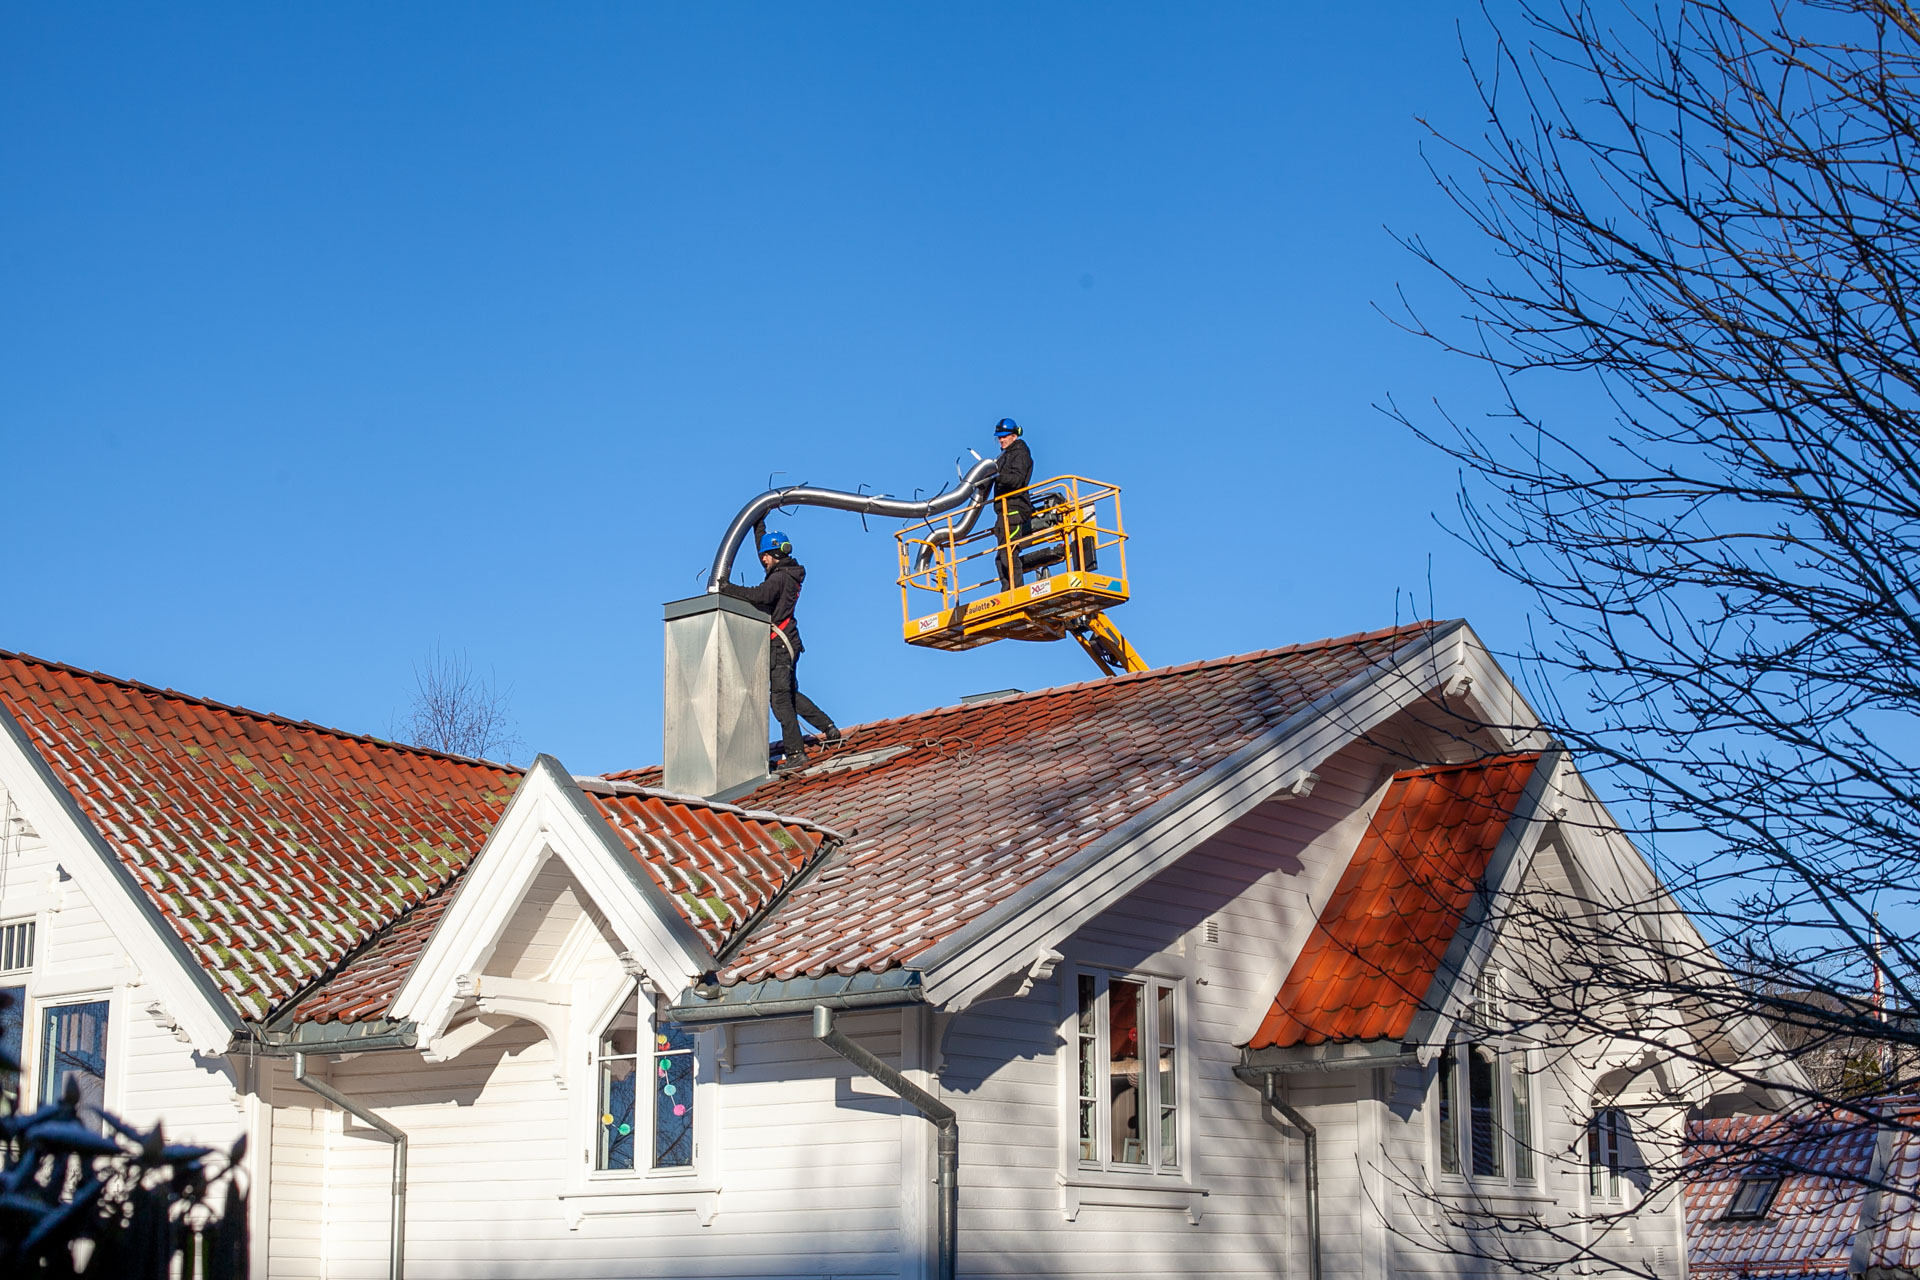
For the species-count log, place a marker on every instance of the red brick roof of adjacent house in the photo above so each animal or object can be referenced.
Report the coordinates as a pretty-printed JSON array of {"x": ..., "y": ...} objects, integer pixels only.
[
  {"x": 1367, "y": 965},
  {"x": 952, "y": 811},
  {"x": 274, "y": 848},
  {"x": 1824, "y": 1160},
  {"x": 719, "y": 864}
]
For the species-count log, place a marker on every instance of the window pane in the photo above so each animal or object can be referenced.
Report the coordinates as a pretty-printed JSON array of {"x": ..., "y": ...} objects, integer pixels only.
[
  {"x": 1604, "y": 1136},
  {"x": 1169, "y": 1097},
  {"x": 1522, "y": 1114},
  {"x": 1089, "y": 1049},
  {"x": 1593, "y": 1157},
  {"x": 1615, "y": 1133},
  {"x": 13, "y": 1010},
  {"x": 1483, "y": 1086},
  {"x": 673, "y": 1104},
  {"x": 1124, "y": 1001},
  {"x": 75, "y": 1048},
  {"x": 16, "y": 946},
  {"x": 1449, "y": 1117},
  {"x": 619, "y": 1046},
  {"x": 616, "y": 1113}
]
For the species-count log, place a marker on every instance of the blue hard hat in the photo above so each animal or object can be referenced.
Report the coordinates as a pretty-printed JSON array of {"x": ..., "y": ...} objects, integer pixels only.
[
  {"x": 776, "y": 543},
  {"x": 1006, "y": 427}
]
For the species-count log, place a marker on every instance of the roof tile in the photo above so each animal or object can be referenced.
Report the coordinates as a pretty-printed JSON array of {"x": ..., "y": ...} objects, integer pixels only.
[{"x": 1372, "y": 954}]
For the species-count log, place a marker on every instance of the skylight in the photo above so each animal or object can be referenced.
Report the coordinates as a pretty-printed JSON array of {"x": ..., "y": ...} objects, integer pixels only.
[{"x": 1753, "y": 1196}]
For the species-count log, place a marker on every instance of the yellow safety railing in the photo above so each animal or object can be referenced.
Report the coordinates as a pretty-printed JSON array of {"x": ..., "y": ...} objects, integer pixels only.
[{"x": 1034, "y": 578}]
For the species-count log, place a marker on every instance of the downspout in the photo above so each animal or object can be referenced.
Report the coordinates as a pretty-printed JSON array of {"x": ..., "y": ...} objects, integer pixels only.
[
  {"x": 943, "y": 1118},
  {"x": 397, "y": 1232},
  {"x": 1310, "y": 1144}
]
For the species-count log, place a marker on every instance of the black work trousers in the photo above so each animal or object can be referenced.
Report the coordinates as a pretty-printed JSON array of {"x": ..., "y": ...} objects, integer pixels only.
[
  {"x": 789, "y": 704},
  {"x": 1011, "y": 521}
]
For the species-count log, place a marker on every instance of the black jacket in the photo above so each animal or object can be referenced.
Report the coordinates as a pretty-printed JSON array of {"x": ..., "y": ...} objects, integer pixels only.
[
  {"x": 1016, "y": 469},
  {"x": 776, "y": 595}
]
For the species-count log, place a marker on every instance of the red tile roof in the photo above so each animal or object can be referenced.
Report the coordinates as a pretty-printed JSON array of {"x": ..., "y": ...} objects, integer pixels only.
[
  {"x": 1825, "y": 1159},
  {"x": 952, "y": 811},
  {"x": 274, "y": 848},
  {"x": 1372, "y": 955},
  {"x": 718, "y": 863},
  {"x": 305, "y": 865}
]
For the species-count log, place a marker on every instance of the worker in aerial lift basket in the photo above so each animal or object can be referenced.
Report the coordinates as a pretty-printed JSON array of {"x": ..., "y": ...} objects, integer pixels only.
[
  {"x": 1012, "y": 517},
  {"x": 777, "y": 594}
]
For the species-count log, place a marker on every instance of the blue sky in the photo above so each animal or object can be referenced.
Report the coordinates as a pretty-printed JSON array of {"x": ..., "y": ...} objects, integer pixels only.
[{"x": 330, "y": 334}]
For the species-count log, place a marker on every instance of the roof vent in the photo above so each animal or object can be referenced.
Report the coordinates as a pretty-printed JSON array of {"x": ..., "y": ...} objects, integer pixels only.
[
  {"x": 993, "y": 696},
  {"x": 1210, "y": 932}
]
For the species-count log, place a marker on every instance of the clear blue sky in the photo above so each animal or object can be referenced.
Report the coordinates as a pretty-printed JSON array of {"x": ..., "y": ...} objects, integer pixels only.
[{"x": 330, "y": 333}]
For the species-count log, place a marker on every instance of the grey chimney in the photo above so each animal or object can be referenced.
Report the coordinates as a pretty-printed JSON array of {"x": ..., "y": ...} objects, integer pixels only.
[{"x": 716, "y": 707}]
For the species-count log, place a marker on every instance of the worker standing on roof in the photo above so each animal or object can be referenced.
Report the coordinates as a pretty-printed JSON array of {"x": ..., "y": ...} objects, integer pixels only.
[
  {"x": 777, "y": 594},
  {"x": 1012, "y": 515}
]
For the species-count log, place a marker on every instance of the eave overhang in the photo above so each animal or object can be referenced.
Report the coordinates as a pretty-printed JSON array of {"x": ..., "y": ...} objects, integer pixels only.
[{"x": 793, "y": 997}]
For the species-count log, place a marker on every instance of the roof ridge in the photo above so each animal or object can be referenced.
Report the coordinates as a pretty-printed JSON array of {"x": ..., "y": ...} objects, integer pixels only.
[
  {"x": 268, "y": 717},
  {"x": 1130, "y": 677},
  {"x": 1484, "y": 762},
  {"x": 617, "y": 787}
]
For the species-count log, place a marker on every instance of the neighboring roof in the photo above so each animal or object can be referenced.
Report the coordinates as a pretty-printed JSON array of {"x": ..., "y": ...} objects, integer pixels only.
[
  {"x": 720, "y": 865},
  {"x": 1825, "y": 1162},
  {"x": 1367, "y": 965},
  {"x": 952, "y": 811}
]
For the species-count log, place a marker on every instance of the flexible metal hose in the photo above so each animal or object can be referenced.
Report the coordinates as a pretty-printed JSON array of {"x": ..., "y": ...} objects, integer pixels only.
[{"x": 971, "y": 493}]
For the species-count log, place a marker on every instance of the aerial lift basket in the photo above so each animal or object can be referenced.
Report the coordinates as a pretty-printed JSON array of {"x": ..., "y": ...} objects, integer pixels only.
[{"x": 959, "y": 588}]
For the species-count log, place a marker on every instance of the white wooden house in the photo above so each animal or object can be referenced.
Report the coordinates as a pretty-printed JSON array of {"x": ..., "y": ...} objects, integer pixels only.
[{"x": 1143, "y": 937}]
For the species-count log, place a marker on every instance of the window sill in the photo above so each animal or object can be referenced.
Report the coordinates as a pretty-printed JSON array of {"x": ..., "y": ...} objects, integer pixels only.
[
  {"x": 1453, "y": 1187},
  {"x": 1089, "y": 1188},
  {"x": 627, "y": 1197}
]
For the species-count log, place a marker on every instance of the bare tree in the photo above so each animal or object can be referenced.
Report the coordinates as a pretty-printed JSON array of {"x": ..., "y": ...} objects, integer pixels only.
[
  {"x": 456, "y": 710},
  {"x": 1707, "y": 216}
]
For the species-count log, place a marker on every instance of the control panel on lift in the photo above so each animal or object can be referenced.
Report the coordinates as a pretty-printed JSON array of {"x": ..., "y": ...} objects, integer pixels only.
[{"x": 1048, "y": 575}]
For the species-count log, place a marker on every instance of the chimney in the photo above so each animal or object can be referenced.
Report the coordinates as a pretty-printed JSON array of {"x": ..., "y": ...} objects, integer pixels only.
[{"x": 716, "y": 708}]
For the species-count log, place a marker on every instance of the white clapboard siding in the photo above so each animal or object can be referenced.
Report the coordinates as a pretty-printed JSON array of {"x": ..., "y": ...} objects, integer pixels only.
[
  {"x": 809, "y": 1168},
  {"x": 1258, "y": 881}
]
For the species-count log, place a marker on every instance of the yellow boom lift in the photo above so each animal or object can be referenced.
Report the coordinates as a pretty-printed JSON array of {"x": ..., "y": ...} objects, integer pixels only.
[{"x": 959, "y": 588}]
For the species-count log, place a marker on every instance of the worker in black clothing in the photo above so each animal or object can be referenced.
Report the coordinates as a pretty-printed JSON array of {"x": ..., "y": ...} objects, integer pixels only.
[
  {"x": 777, "y": 594},
  {"x": 1012, "y": 517}
]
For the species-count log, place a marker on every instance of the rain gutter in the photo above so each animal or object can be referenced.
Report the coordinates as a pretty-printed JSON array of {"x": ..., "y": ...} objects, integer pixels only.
[{"x": 710, "y": 1003}]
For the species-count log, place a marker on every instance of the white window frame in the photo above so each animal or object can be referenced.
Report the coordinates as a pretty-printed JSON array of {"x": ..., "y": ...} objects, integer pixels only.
[
  {"x": 1156, "y": 1168},
  {"x": 643, "y": 1130},
  {"x": 22, "y": 977},
  {"x": 1612, "y": 1125},
  {"x": 1511, "y": 1059},
  {"x": 589, "y": 1191}
]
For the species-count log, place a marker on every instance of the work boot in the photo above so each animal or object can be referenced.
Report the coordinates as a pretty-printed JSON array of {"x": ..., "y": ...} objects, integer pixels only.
[
  {"x": 831, "y": 737},
  {"x": 792, "y": 762}
]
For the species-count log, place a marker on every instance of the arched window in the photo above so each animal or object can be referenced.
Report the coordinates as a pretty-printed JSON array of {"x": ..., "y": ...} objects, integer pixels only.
[{"x": 639, "y": 1055}]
